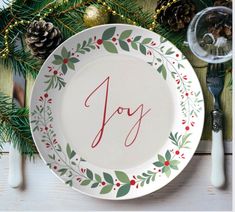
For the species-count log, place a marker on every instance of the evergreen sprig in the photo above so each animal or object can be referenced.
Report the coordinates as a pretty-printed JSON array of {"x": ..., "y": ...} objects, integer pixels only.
[{"x": 14, "y": 126}]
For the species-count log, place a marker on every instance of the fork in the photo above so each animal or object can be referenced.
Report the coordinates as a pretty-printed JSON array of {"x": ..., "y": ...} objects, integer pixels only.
[{"x": 215, "y": 83}]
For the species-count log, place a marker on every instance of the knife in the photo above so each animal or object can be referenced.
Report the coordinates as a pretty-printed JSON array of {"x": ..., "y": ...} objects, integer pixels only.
[{"x": 15, "y": 177}]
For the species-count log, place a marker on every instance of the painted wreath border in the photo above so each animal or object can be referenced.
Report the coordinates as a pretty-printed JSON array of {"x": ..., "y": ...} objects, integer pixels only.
[{"x": 68, "y": 165}]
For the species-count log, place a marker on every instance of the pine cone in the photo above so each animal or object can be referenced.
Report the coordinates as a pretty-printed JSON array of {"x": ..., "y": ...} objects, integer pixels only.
[
  {"x": 219, "y": 24},
  {"x": 42, "y": 38},
  {"x": 177, "y": 16},
  {"x": 225, "y": 3}
]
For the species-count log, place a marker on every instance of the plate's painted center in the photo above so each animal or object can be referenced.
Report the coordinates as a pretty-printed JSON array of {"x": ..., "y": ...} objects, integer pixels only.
[{"x": 117, "y": 112}]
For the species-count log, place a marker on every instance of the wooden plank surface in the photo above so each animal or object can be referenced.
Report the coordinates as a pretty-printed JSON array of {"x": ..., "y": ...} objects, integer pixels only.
[
  {"x": 6, "y": 84},
  {"x": 191, "y": 190}
]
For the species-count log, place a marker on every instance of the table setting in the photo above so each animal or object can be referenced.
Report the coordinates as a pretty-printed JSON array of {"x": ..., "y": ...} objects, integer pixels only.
[{"x": 116, "y": 100}]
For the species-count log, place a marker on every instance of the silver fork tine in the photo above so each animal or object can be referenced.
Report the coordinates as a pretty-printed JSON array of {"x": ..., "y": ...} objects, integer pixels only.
[{"x": 209, "y": 70}]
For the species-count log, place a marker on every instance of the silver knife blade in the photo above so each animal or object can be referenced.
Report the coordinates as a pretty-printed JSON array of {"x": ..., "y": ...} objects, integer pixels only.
[
  {"x": 15, "y": 177},
  {"x": 19, "y": 89}
]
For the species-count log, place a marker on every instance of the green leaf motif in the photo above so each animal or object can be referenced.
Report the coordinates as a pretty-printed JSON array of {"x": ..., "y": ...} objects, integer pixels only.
[
  {"x": 110, "y": 47},
  {"x": 62, "y": 171},
  {"x": 158, "y": 164},
  {"x": 85, "y": 182},
  {"x": 85, "y": 47},
  {"x": 175, "y": 162},
  {"x": 168, "y": 155},
  {"x": 180, "y": 66},
  {"x": 122, "y": 176},
  {"x": 98, "y": 178},
  {"x": 64, "y": 69},
  {"x": 54, "y": 81},
  {"x": 161, "y": 158},
  {"x": 106, "y": 189},
  {"x": 94, "y": 185},
  {"x": 166, "y": 170},
  {"x": 134, "y": 45},
  {"x": 73, "y": 60},
  {"x": 52, "y": 156},
  {"x": 123, "y": 190},
  {"x": 108, "y": 33},
  {"x": 125, "y": 34},
  {"x": 89, "y": 174},
  {"x": 64, "y": 53},
  {"x": 108, "y": 178},
  {"x": 70, "y": 152},
  {"x": 162, "y": 70},
  {"x": 58, "y": 60},
  {"x": 69, "y": 182},
  {"x": 124, "y": 45},
  {"x": 173, "y": 167},
  {"x": 146, "y": 40},
  {"x": 185, "y": 137},
  {"x": 169, "y": 51},
  {"x": 71, "y": 65},
  {"x": 163, "y": 40},
  {"x": 137, "y": 38},
  {"x": 142, "y": 49}
]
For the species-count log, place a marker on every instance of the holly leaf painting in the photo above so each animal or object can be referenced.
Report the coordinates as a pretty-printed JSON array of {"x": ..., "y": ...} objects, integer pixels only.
[
  {"x": 94, "y": 185},
  {"x": 70, "y": 152},
  {"x": 89, "y": 174},
  {"x": 163, "y": 40},
  {"x": 166, "y": 170},
  {"x": 108, "y": 178},
  {"x": 134, "y": 45},
  {"x": 110, "y": 47},
  {"x": 146, "y": 41},
  {"x": 124, "y": 45},
  {"x": 125, "y": 34},
  {"x": 98, "y": 178},
  {"x": 85, "y": 182},
  {"x": 57, "y": 60},
  {"x": 123, "y": 190},
  {"x": 122, "y": 176},
  {"x": 137, "y": 38},
  {"x": 162, "y": 70},
  {"x": 169, "y": 51},
  {"x": 168, "y": 155},
  {"x": 142, "y": 49},
  {"x": 106, "y": 189},
  {"x": 108, "y": 33}
]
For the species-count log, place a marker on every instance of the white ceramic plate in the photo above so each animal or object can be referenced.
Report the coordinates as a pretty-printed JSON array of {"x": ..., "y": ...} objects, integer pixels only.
[{"x": 116, "y": 112}]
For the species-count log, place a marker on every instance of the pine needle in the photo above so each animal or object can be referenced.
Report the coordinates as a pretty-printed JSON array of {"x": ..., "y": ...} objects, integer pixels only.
[{"x": 14, "y": 126}]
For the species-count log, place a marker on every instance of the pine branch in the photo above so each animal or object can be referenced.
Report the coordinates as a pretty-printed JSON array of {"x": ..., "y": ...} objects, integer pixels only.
[
  {"x": 70, "y": 24},
  {"x": 131, "y": 10},
  {"x": 14, "y": 126},
  {"x": 30, "y": 66}
]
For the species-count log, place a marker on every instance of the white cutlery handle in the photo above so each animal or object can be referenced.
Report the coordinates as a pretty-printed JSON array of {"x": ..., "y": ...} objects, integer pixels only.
[
  {"x": 217, "y": 152},
  {"x": 15, "y": 177}
]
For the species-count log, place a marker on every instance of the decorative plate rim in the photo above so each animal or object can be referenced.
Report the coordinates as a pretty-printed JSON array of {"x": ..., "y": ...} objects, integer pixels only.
[{"x": 120, "y": 175}]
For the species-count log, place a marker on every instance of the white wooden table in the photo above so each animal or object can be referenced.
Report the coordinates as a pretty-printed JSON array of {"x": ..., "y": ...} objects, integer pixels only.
[{"x": 191, "y": 190}]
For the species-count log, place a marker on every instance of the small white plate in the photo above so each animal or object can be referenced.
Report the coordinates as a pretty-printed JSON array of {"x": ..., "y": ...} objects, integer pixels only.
[{"x": 116, "y": 112}]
